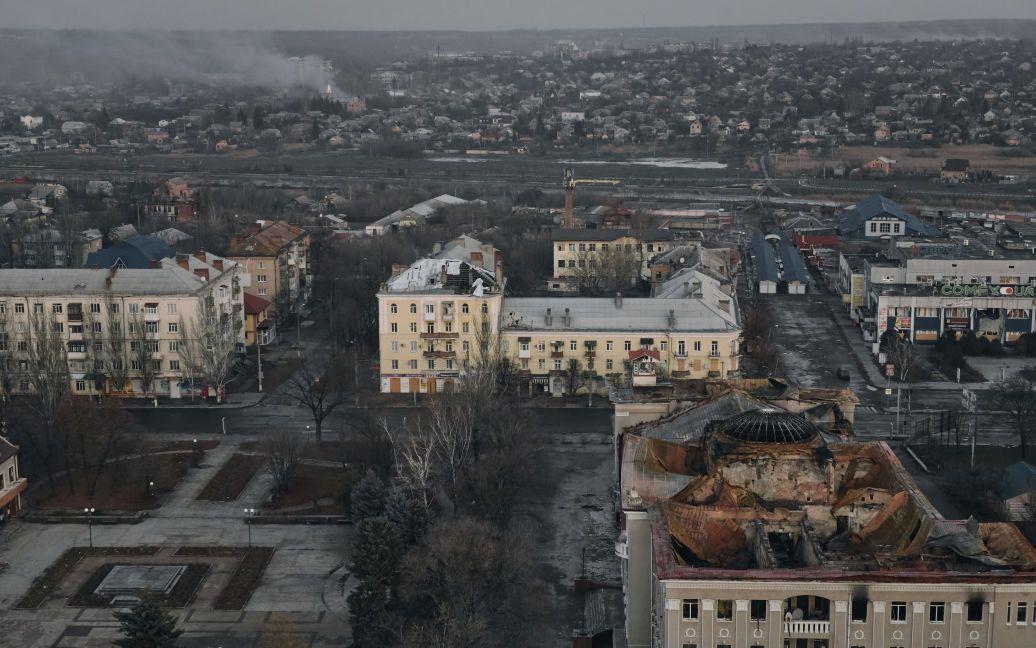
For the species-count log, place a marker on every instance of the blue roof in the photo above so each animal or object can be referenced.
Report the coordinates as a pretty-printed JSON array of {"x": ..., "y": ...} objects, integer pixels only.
[
  {"x": 794, "y": 264},
  {"x": 136, "y": 252},
  {"x": 764, "y": 258},
  {"x": 852, "y": 220}
]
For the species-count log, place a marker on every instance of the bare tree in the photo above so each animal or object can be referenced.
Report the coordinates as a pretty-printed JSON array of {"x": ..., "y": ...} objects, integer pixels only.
[
  {"x": 47, "y": 372},
  {"x": 320, "y": 390},
  {"x": 1017, "y": 397},
  {"x": 281, "y": 448},
  {"x": 606, "y": 271},
  {"x": 143, "y": 345},
  {"x": 415, "y": 455},
  {"x": 904, "y": 356},
  {"x": 210, "y": 342}
]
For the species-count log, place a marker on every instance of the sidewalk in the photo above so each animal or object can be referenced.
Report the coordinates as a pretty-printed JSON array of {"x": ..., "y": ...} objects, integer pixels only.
[{"x": 861, "y": 352}]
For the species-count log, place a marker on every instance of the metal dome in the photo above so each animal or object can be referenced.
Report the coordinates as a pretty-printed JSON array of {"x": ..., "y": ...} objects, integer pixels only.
[{"x": 768, "y": 426}]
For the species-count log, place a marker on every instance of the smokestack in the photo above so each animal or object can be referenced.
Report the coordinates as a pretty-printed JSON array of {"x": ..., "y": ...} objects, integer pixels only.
[
  {"x": 549, "y": 318},
  {"x": 568, "y": 317},
  {"x": 618, "y": 299}
]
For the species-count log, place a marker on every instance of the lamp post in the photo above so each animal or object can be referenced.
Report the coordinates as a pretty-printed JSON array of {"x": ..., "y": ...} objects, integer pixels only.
[
  {"x": 89, "y": 513},
  {"x": 150, "y": 488},
  {"x": 249, "y": 513}
]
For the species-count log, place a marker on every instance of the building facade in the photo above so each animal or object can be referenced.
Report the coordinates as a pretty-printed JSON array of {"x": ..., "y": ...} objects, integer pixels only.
[
  {"x": 751, "y": 525},
  {"x": 115, "y": 325},
  {"x": 12, "y": 484},
  {"x": 276, "y": 256},
  {"x": 581, "y": 254}
]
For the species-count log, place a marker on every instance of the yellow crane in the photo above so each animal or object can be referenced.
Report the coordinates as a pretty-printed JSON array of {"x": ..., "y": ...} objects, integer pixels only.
[{"x": 570, "y": 184}]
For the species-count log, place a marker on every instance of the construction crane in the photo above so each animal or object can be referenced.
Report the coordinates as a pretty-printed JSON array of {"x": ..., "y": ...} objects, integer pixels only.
[{"x": 570, "y": 184}]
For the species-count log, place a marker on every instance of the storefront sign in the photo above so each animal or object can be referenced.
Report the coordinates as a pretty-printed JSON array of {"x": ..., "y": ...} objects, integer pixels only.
[
  {"x": 903, "y": 322},
  {"x": 958, "y": 323},
  {"x": 982, "y": 290}
]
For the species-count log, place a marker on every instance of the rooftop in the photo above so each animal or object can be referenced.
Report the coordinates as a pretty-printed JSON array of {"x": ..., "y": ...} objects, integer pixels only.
[
  {"x": 268, "y": 241},
  {"x": 641, "y": 314},
  {"x": 609, "y": 234},
  {"x": 767, "y": 494}
]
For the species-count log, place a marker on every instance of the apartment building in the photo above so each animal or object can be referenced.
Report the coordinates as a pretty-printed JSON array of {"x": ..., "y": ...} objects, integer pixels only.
[
  {"x": 12, "y": 484},
  {"x": 276, "y": 256},
  {"x": 549, "y": 337},
  {"x": 435, "y": 314},
  {"x": 97, "y": 315},
  {"x": 751, "y": 519},
  {"x": 580, "y": 253}
]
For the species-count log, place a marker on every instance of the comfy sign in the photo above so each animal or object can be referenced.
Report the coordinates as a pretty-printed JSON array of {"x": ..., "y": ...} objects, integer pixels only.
[{"x": 983, "y": 290}]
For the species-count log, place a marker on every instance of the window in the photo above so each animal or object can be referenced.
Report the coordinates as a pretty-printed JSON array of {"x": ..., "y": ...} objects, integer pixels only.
[
  {"x": 429, "y": 309},
  {"x": 758, "y": 610},
  {"x": 151, "y": 327},
  {"x": 262, "y": 292},
  {"x": 464, "y": 309},
  {"x": 413, "y": 327},
  {"x": 56, "y": 308},
  {"x": 174, "y": 327},
  {"x": 1009, "y": 617},
  {"x": 884, "y": 228},
  {"x": 134, "y": 309},
  {"x": 688, "y": 645},
  {"x": 19, "y": 308},
  {"x": 413, "y": 346},
  {"x": 394, "y": 327},
  {"x": 681, "y": 348},
  {"x": 541, "y": 364},
  {"x": 260, "y": 265},
  {"x": 95, "y": 308},
  {"x": 714, "y": 349},
  {"x": 936, "y": 612},
  {"x": 573, "y": 345},
  {"x": 557, "y": 364},
  {"x": 113, "y": 308},
  {"x": 174, "y": 345},
  {"x": 663, "y": 346},
  {"x": 412, "y": 364},
  {"x": 609, "y": 364},
  {"x": 393, "y": 308},
  {"x": 96, "y": 326},
  {"x": 395, "y": 364},
  {"x": 37, "y": 308},
  {"x": 974, "y": 611},
  {"x": 690, "y": 609},
  {"x": 1021, "y": 614},
  {"x": 431, "y": 363},
  {"x": 697, "y": 345},
  {"x": 465, "y": 346},
  {"x": 485, "y": 309},
  {"x": 608, "y": 345},
  {"x": 135, "y": 365},
  {"x": 898, "y": 612},
  {"x": 80, "y": 385},
  {"x": 627, "y": 345},
  {"x": 430, "y": 327},
  {"x": 261, "y": 278},
  {"x": 725, "y": 610},
  {"x": 859, "y": 611},
  {"x": 174, "y": 365},
  {"x": 413, "y": 309}
]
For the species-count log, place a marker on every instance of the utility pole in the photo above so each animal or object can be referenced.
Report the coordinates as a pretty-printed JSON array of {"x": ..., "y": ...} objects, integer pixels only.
[{"x": 259, "y": 353}]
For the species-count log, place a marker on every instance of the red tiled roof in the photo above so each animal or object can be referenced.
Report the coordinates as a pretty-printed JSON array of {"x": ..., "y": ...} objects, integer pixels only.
[
  {"x": 640, "y": 353},
  {"x": 255, "y": 304},
  {"x": 266, "y": 242}
]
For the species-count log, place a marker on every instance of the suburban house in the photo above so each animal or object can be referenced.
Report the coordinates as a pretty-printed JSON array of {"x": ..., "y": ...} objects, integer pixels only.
[
  {"x": 276, "y": 255},
  {"x": 955, "y": 170},
  {"x": 881, "y": 166},
  {"x": 11, "y": 482}
]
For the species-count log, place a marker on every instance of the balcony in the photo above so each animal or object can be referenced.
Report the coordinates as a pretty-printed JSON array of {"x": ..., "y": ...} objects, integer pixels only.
[
  {"x": 75, "y": 316},
  {"x": 807, "y": 628},
  {"x": 151, "y": 317},
  {"x": 713, "y": 354},
  {"x": 557, "y": 354},
  {"x": 429, "y": 317},
  {"x": 440, "y": 354},
  {"x": 440, "y": 336},
  {"x": 11, "y": 490}
]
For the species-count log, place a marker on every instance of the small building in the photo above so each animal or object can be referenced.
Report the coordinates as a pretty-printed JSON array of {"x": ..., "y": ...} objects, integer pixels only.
[
  {"x": 881, "y": 166},
  {"x": 259, "y": 326},
  {"x": 955, "y": 170},
  {"x": 11, "y": 482},
  {"x": 644, "y": 365},
  {"x": 134, "y": 252},
  {"x": 879, "y": 217},
  {"x": 1018, "y": 494}
]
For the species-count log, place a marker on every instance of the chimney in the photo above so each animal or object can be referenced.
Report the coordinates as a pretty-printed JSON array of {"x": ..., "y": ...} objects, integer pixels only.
[
  {"x": 111, "y": 275},
  {"x": 549, "y": 318},
  {"x": 568, "y": 317},
  {"x": 672, "y": 318},
  {"x": 218, "y": 264},
  {"x": 183, "y": 260},
  {"x": 724, "y": 305},
  {"x": 200, "y": 256},
  {"x": 255, "y": 227},
  {"x": 398, "y": 269},
  {"x": 618, "y": 299},
  {"x": 202, "y": 273},
  {"x": 153, "y": 265}
]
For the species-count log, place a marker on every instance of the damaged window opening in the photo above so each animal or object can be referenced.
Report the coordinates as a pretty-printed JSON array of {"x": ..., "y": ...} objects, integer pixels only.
[
  {"x": 974, "y": 611},
  {"x": 725, "y": 610},
  {"x": 859, "y": 610},
  {"x": 758, "y": 611}
]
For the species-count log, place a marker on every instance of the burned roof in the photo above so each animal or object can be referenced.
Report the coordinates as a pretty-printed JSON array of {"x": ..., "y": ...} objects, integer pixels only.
[{"x": 768, "y": 425}]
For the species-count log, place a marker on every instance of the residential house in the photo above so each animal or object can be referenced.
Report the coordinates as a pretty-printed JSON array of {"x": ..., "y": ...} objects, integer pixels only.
[
  {"x": 954, "y": 170},
  {"x": 12, "y": 484},
  {"x": 259, "y": 326}
]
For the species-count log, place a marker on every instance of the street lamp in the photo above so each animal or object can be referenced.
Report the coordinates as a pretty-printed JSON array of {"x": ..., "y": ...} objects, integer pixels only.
[
  {"x": 249, "y": 513},
  {"x": 150, "y": 488},
  {"x": 89, "y": 512}
]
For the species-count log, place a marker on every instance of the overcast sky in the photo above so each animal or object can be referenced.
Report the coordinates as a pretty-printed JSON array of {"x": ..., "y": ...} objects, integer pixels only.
[{"x": 482, "y": 14}]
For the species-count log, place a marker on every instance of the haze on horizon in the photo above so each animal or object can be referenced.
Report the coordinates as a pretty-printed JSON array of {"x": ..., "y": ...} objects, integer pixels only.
[{"x": 481, "y": 15}]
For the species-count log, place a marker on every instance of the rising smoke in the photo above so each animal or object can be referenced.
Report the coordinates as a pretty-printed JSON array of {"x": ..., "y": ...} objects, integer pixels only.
[{"x": 54, "y": 57}]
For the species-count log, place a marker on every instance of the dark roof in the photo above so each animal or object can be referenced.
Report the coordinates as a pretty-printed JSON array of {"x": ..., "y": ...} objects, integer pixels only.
[
  {"x": 255, "y": 304},
  {"x": 136, "y": 252},
  {"x": 764, "y": 259},
  {"x": 957, "y": 165},
  {"x": 1019, "y": 478},
  {"x": 7, "y": 449},
  {"x": 794, "y": 265},
  {"x": 768, "y": 426},
  {"x": 610, "y": 234},
  {"x": 267, "y": 242},
  {"x": 852, "y": 220}
]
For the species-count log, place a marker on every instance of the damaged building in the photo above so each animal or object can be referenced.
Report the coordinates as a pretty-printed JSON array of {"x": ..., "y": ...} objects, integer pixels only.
[{"x": 751, "y": 518}]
